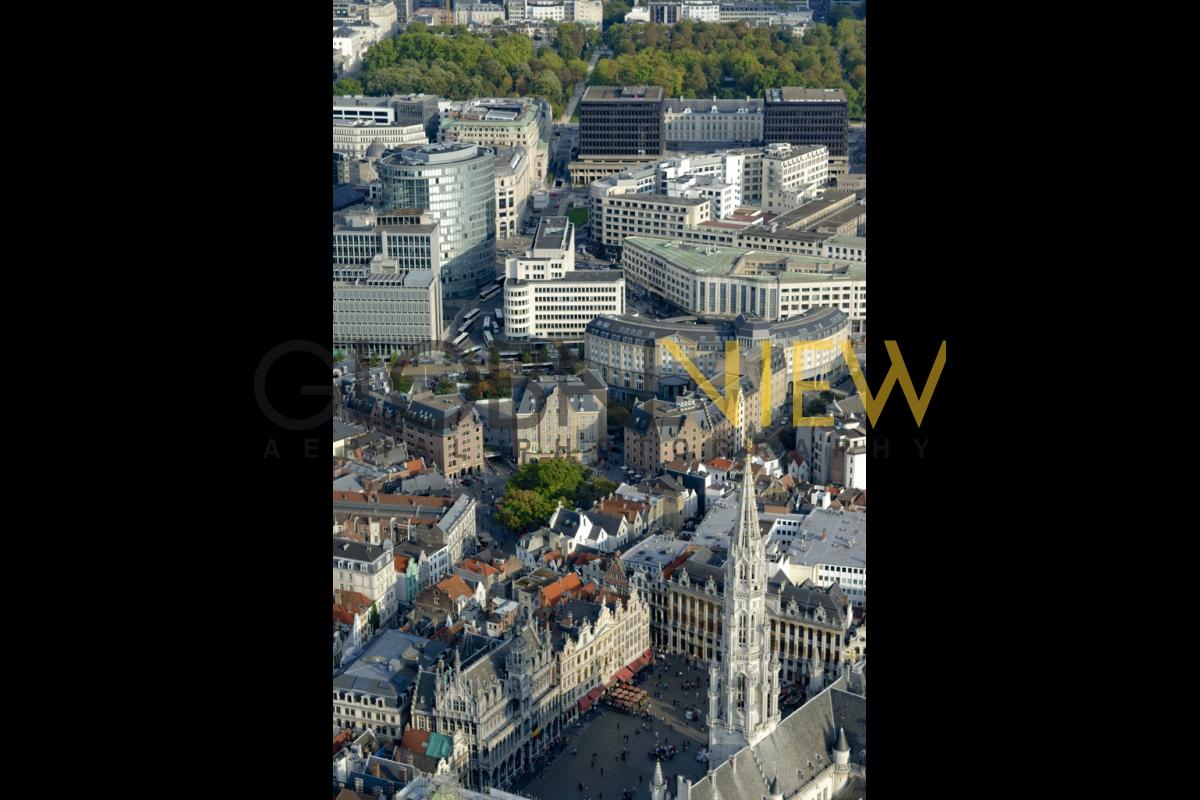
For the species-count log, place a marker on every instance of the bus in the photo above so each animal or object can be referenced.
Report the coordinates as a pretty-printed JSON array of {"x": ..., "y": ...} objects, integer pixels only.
[
  {"x": 499, "y": 316},
  {"x": 465, "y": 326},
  {"x": 510, "y": 354},
  {"x": 487, "y": 337},
  {"x": 487, "y": 322},
  {"x": 459, "y": 339},
  {"x": 489, "y": 293},
  {"x": 471, "y": 350},
  {"x": 471, "y": 315},
  {"x": 544, "y": 366}
]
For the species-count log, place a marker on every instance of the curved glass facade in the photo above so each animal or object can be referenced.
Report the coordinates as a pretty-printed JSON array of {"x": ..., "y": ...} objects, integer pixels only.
[{"x": 456, "y": 183}]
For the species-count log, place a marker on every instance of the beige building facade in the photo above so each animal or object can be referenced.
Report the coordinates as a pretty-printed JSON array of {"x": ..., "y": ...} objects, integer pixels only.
[
  {"x": 545, "y": 297},
  {"x": 502, "y": 122}
]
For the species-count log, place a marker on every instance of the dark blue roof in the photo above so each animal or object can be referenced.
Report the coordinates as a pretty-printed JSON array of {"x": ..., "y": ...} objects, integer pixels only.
[{"x": 346, "y": 196}]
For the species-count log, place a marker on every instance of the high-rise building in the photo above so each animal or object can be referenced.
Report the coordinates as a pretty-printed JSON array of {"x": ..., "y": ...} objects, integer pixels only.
[
  {"x": 621, "y": 120},
  {"x": 455, "y": 181},
  {"x": 743, "y": 694},
  {"x": 380, "y": 307},
  {"x": 808, "y": 116}
]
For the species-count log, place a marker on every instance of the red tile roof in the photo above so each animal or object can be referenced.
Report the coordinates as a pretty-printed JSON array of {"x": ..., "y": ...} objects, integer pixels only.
[
  {"x": 401, "y": 564},
  {"x": 679, "y": 559},
  {"x": 553, "y": 593},
  {"x": 720, "y": 463},
  {"x": 347, "y": 603},
  {"x": 341, "y": 740},
  {"x": 414, "y": 740},
  {"x": 455, "y": 587},
  {"x": 449, "y": 635},
  {"x": 629, "y": 508},
  {"x": 479, "y": 567},
  {"x": 415, "y": 501}
]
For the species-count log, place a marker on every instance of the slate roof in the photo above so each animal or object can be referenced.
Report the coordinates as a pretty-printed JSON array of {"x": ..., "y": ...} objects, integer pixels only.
[
  {"x": 800, "y": 747},
  {"x": 608, "y": 522},
  {"x": 567, "y": 522},
  {"x": 372, "y": 672}
]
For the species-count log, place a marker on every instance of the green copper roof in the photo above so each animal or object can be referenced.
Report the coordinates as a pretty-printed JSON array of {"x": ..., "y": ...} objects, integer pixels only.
[{"x": 440, "y": 746}]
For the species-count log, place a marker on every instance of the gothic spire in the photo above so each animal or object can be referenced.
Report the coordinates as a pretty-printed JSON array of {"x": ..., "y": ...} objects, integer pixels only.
[{"x": 748, "y": 510}]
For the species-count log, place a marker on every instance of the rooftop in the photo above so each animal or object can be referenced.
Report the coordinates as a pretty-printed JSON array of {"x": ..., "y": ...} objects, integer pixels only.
[
  {"x": 389, "y": 664},
  {"x": 438, "y": 153},
  {"x": 704, "y": 105},
  {"x": 844, "y": 545},
  {"x": 708, "y": 335},
  {"x": 799, "y": 94},
  {"x": 623, "y": 94},
  {"x": 551, "y": 233},
  {"x": 575, "y": 276}
]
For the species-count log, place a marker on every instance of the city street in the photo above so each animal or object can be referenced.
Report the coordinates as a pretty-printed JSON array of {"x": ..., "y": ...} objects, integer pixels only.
[
  {"x": 578, "y": 93},
  {"x": 602, "y": 731}
]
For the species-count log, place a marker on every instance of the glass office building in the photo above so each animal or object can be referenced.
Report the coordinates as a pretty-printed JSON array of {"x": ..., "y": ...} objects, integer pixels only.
[{"x": 455, "y": 181}]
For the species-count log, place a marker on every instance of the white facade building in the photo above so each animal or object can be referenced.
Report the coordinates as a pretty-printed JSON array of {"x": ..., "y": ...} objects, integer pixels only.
[
  {"x": 586, "y": 12},
  {"x": 383, "y": 13},
  {"x": 825, "y": 547},
  {"x": 715, "y": 281},
  {"x": 792, "y": 175},
  {"x": 839, "y": 454},
  {"x": 723, "y": 197},
  {"x": 348, "y": 46},
  {"x": 620, "y": 208},
  {"x": 477, "y": 14},
  {"x": 668, "y": 12},
  {"x": 513, "y": 181},
  {"x": 545, "y": 297},
  {"x": 501, "y": 122},
  {"x": 704, "y": 121},
  {"x": 354, "y": 138},
  {"x": 546, "y": 10},
  {"x": 368, "y": 569}
]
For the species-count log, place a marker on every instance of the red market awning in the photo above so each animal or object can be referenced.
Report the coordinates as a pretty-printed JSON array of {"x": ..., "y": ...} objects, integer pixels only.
[
  {"x": 624, "y": 674},
  {"x": 595, "y": 693},
  {"x": 635, "y": 665},
  {"x": 648, "y": 656},
  {"x": 585, "y": 703}
]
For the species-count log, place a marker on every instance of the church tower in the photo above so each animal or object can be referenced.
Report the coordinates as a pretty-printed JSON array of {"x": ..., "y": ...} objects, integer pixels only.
[
  {"x": 816, "y": 672},
  {"x": 658, "y": 787},
  {"x": 744, "y": 685}
]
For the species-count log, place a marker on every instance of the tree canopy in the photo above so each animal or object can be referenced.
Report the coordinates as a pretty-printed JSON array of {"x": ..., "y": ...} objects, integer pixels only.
[
  {"x": 537, "y": 487},
  {"x": 454, "y": 63},
  {"x": 730, "y": 60},
  {"x": 521, "y": 510}
]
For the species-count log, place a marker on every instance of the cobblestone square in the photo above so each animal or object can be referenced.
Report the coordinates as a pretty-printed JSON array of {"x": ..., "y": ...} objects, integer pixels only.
[{"x": 601, "y": 731}]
